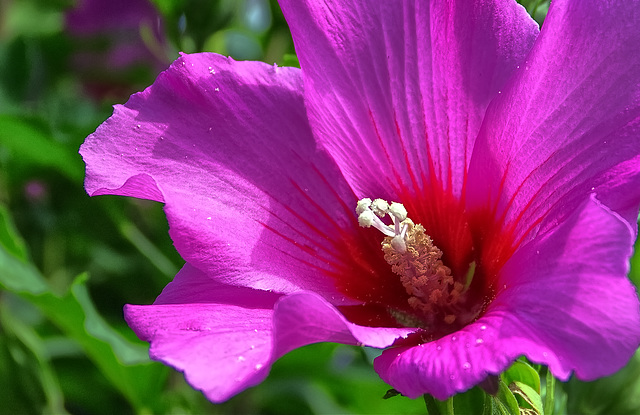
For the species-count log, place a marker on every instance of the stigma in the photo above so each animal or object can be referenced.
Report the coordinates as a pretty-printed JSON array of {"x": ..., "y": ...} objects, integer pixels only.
[{"x": 433, "y": 292}]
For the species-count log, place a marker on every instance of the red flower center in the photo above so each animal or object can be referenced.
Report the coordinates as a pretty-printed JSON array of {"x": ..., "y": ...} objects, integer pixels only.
[{"x": 439, "y": 295}]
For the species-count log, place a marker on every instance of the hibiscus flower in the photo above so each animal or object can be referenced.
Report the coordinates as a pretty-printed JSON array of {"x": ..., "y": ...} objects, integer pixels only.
[{"x": 501, "y": 164}]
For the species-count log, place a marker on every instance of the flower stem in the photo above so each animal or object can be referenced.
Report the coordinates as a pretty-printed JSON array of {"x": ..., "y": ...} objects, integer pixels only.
[
  {"x": 549, "y": 394},
  {"x": 436, "y": 407}
]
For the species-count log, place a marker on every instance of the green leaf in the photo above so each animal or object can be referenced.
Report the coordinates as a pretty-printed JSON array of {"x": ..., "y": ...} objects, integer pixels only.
[
  {"x": 18, "y": 276},
  {"x": 125, "y": 364},
  {"x": 522, "y": 372},
  {"x": 338, "y": 379},
  {"x": 528, "y": 394},
  {"x": 169, "y": 7},
  {"x": 43, "y": 369},
  {"x": 505, "y": 403},
  {"x": 127, "y": 352},
  {"x": 616, "y": 394},
  {"x": 289, "y": 59},
  {"x": 472, "y": 401},
  {"x": 34, "y": 145},
  {"x": 21, "y": 15},
  {"x": 9, "y": 237},
  {"x": 634, "y": 275}
]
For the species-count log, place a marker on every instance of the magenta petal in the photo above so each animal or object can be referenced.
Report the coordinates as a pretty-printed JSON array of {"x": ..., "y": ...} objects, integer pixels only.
[
  {"x": 225, "y": 338},
  {"x": 568, "y": 123},
  {"x": 570, "y": 295},
  {"x": 397, "y": 91},
  {"x": 219, "y": 336},
  {"x": 108, "y": 35},
  {"x": 222, "y": 349},
  {"x": 256, "y": 171},
  {"x": 192, "y": 286},
  {"x": 226, "y": 145},
  {"x": 565, "y": 302},
  {"x": 141, "y": 185},
  {"x": 305, "y": 318}
]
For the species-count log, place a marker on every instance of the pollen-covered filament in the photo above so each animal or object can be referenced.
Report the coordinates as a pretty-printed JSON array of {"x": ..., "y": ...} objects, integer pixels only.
[{"x": 413, "y": 256}]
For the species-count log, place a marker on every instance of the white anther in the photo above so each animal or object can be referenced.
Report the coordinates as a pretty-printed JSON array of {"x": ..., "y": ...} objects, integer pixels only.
[
  {"x": 380, "y": 207},
  {"x": 363, "y": 204},
  {"x": 398, "y": 211},
  {"x": 366, "y": 218},
  {"x": 369, "y": 214}
]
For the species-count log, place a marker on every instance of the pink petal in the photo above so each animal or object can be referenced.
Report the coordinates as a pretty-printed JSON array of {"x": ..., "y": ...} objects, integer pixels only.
[
  {"x": 396, "y": 91},
  {"x": 108, "y": 38},
  {"x": 226, "y": 338},
  {"x": 226, "y": 145},
  {"x": 565, "y": 302},
  {"x": 568, "y": 123},
  {"x": 305, "y": 318},
  {"x": 222, "y": 349},
  {"x": 192, "y": 286}
]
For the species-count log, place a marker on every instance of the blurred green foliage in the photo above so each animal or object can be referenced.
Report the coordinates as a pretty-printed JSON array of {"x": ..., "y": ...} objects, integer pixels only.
[{"x": 69, "y": 263}]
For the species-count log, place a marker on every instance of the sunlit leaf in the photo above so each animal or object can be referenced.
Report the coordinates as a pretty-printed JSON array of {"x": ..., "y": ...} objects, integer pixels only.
[
  {"x": 522, "y": 372},
  {"x": 505, "y": 403},
  {"x": 290, "y": 59},
  {"x": 169, "y": 7},
  {"x": 528, "y": 394}
]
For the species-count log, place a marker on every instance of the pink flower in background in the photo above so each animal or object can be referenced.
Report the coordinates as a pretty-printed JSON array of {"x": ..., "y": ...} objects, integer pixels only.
[
  {"x": 518, "y": 152},
  {"x": 118, "y": 40}
]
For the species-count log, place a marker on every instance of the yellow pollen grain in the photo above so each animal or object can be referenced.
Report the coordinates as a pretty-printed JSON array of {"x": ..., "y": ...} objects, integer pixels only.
[{"x": 426, "y": 279}]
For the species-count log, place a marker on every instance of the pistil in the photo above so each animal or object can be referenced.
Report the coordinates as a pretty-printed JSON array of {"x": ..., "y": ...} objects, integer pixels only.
[{"x": 415, "y": 259}]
